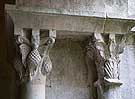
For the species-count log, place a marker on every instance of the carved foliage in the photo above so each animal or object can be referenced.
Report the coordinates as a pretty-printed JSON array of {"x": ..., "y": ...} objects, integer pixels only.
[
  {"x": 108, "y": 51},
  {"x": 33, "y": 62},
  {"x": 104, "y": 51},
  {"x": 28, "y": 60}
]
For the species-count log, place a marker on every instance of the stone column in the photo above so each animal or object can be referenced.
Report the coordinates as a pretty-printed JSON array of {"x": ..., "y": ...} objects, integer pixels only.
[
  {"x": 32, "y": 66},
  {"x": 104, "y": 51}
]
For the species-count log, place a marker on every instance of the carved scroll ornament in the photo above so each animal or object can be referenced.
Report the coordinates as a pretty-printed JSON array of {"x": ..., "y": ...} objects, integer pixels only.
[{"x": 28, "y": 60}]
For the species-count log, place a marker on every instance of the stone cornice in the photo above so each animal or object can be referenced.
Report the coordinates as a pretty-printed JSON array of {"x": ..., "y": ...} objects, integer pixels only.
[{"x": 27, "y": 17}]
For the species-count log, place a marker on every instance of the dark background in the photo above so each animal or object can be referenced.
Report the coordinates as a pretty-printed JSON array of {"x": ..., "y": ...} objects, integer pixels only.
[{"x": 6, "y": 73}]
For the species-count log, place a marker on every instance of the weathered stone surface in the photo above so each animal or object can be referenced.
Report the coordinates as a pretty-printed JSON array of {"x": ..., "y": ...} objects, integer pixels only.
[
  {"x": 79, "y": 18},
  {"x": 127, "y": 72},
  {"x": 32, "y": 66},
  {"x": 131, "y": 8},
  {"x": 34, "y": 89},
  {"x": 69, "y": 77},
  {"x": 73, "y": 24},
  {"x": 113, "y": 8}
]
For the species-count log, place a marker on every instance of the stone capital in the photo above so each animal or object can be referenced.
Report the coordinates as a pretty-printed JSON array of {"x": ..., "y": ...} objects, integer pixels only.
[{"x": 29, "y": 61}]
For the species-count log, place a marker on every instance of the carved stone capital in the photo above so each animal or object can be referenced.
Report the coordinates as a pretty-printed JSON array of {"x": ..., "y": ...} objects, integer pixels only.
[
  {"x": 104, "y": 51},
  {"x": 29, "y": 61}
]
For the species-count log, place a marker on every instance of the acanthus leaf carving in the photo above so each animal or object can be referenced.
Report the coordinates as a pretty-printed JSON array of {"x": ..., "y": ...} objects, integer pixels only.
[
  {"x": 104, "y": 51},
  {"x": 22, "y": 50},
  {"x": 28, "y": 60}
]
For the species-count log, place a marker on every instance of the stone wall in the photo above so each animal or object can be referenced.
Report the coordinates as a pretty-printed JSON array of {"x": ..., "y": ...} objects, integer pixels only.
[
  {"x": 69, "y": 76},
  {"x": 113, "y": 8}
]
